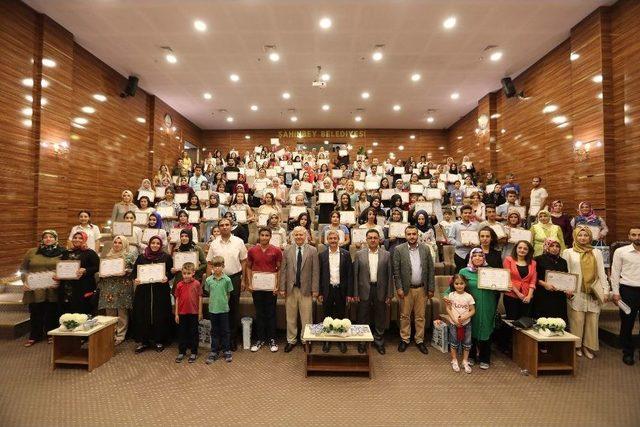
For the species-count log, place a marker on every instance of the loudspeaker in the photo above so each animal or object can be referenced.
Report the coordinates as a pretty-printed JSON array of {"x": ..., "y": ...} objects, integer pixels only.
[
  {"x": 508, "y": 87},
  {"x": 132, "y": 85}
]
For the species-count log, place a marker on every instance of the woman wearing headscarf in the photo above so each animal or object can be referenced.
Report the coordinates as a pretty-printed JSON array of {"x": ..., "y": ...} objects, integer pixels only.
[
  {"x": 155, "y": 223},
  {"x": 242, "y": 182},
  {"x": 124, "y": 206},
  {"x": 544, "y": 229},
  {"x": 547, "y": 301},
  {"x": 238, "y": 230},
  {"x": 514, "y": 220},
  {"x": 145, "y": 185},
  {"x": 239, "y": 203},
  {"x": 584, "y": 307},
  {"x": 183, "y": 187},
  {"x": 152, "y": 320},
  {"x": 188, "y": 245},
  {"x": 325, "y": 209},
  {"x": 170, "y": 220},
  {"x": 43, "y": 302},
  {"x": 489, "y": 245},
  {"x": 295, "y": 190},
  {"x": 562, "y": 220},
  {"x": 587, "y": 217},
  {"x": 79, "y": 295},
  {"x": 116, "y": 292}
]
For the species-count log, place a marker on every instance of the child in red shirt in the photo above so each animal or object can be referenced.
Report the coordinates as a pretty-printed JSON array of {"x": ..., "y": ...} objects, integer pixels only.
[{"x": 188, "y": 312}]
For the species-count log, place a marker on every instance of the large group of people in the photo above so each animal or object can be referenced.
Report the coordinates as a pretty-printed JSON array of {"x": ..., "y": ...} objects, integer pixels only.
[{"x": 339, "y": 231}]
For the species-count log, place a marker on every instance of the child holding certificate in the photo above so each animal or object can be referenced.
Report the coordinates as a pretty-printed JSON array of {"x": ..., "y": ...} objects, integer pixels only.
[
  {"x": 188, "y": 312},
  {"x": 461, "y": 308},
  {"x": 219, "y": 287}
]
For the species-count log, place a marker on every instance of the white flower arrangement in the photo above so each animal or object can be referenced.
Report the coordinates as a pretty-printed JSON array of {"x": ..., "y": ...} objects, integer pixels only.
[
  {"x": 550, "y": 326},
  {"x": 335, "y": 326},
  {"x": 73, "y": 320}
]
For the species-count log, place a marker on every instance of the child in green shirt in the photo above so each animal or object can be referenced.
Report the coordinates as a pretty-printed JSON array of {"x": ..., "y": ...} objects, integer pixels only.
[{"x": 219, "y": 287}]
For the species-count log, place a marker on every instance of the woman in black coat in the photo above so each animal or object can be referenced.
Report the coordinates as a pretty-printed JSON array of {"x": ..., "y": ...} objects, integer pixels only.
[
  {"x": 79, "y": 295},
  {"x": 546, "y": 301}
]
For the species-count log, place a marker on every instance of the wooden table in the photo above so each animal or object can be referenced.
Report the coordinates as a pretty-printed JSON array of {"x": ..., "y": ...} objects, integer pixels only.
[
  {"x": 560, "y": 355},
  {"x": 68, "y": 349},
  {"x": 337, "y": 362}
]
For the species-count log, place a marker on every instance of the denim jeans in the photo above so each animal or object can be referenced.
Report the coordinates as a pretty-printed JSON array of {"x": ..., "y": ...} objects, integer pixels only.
[
  {"x": 220, "y": 331},
  {"x": 453, "y": 337}
]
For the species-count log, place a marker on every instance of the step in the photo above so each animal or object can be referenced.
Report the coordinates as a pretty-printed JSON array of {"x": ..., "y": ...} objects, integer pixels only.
[
  {"x": 13, "y": 324},
  {"x": 13, "y": 286}
]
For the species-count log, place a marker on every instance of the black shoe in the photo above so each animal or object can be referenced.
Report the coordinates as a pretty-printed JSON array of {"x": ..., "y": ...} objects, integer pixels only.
[
  {"x": 159, "y": 348},
  {"x": 141, "y": 348},
  {"x": 381, "y": 349},
  {"x": 234, "y": 345},
  {"x": 288, "y": 347},
  {"x": 325, "y": 347},
  {"x": 423, "y": 348},
  {"x": 343, "y": 347},
  {"x": 361, "y": 348},
  {"x": 402, "y": 346},
  {"x": 627, "y": 359}
]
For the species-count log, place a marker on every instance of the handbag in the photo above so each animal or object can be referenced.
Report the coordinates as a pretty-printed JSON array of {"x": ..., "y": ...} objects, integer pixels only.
[{"x": 606, "y": 252}]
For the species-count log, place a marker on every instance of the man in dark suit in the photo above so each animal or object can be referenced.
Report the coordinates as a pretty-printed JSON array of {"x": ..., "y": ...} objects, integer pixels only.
[
  {"x": 336, "y": 282},
  {"x": 373, "y": 287}
]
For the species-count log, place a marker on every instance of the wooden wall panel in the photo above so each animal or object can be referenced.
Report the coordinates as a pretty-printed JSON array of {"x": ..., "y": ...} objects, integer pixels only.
[{"x": 463, "y": 141}]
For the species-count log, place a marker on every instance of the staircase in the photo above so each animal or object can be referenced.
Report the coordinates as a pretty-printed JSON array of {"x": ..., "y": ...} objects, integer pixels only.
[{"x": 14, "y": 316}]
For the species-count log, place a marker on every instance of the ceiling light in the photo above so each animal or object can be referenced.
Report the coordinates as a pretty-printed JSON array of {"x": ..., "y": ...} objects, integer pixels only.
[
  {"x": 415, "y": 77},
  {"x": 441, "y": 148},
  {"x": 234, "y": 77},
  {"x": 141, "y": 120},
  {"x": 81, "y": 120},
  {"x": 357, "y": 118},
  {"x": 27, "y": 123},
  {"x": 43, "y": 101},
  {"x": 369, "y": 151},
  {"x": 247, "y": 137},
  {"x": 377, "y": 55},
  {"x": 99, "y": 97},
  {"x": 48, "y": 62},
  {"x": 274, "y": 56},
  {"x": 375, "y": 143},
  {"x": 549, "y": 108},
  {"x": 325, "y": 23},
  {"x": 230, "y": 119},
  {"x": 44, "y": 83},
  {"x": 365, "y": 95},
  {"x": 88, "y": 110},
  {"x": 286, "y": 95},
  {"x": 326, "y": 107},
  {"x": 200, "y": 25},
  {"x": 496, "y": 56},
  {"x": 412, "y": 136},
  {"x": 459, "y": 136},
  {"x": 430, "y": 119},
  {"x": 559, "y": 119},
  {"x": 455, "y": 95},
  {"x": 27, "y": 82},
  {"x": 326, "y": 142},
  {"x": 27, "y": 111},
  {"x": 254, "y": 108},
  {"x": 599, "y": 95},
  {"x": 397, "y": 107},
  {"x": 171, "y": 58},
  {"x": 449, "y": 23},
  {"x": 325, "y": 77},
  {"x": 401, "y": 147},
  {"x": 597, "y": 78},
  {"x": 294, "y": 118},
  {"x": 503, "y": 131},
  {"x": 574, "y": 56},
  {"x": 207, "y": 95}
]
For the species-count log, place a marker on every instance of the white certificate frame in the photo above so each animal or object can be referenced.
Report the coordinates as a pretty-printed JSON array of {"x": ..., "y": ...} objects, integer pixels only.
[
  {"x": 371, "y": 185},
  {"x": 263, "y": 220},
  {"x": 181, "y": 198},
  {"x": 561, "y": 280},
  {"x": 276, "y": 240},
  {"x": 203, "y": 195},
  {"x": 148, "y": 233},
  {"x": 494, "y": 279},
  {"x": 295, "y": 211},
  {"x": 151, "y": 273},
  {"x": 67, "y": 269},
  {"x": 160, "y": 192},
  {"x": 263, "y": 281},
  {"x": 112, "y": 267},
  {"x": 416, "y": 188},
  {"x": 347, "y": 217},
  {"x": 336, "y": 173},
  {"x": 397, "y": 229},
  {"x": 306, "y": 186},
  {"x": 166, "y": 211},
  {"x": 151, "y": 195},
  {"x": 142, "y": 218},
  {"x": 232, "y": 175},
  {"x": 41, "y": 279},
  {"x": 194, "y": 217},
  {"x": 122, "y": 228},
  {"x": 423, "y": 206},
  {"x": 211, "y": 214},
  {"x": 325, "y": 198},
  {"x": 241, "y": 216},
  {"x": 179, "y": 258},
  {"x": 517, "y": 234},
  {"x": 174, "y": 235},
  {"x": 386, "y": 193},
  {"x": 469, "y": 237}
]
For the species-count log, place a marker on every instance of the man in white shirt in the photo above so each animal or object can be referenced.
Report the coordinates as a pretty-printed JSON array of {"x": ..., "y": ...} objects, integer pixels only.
[
  {"x": 462, "y": 246},
  {"x": 537, "y": 199},
  {"x": 234, "y": 252},
  {"x": 625, "y": 282},
  {"x": 197, "y": 179}
]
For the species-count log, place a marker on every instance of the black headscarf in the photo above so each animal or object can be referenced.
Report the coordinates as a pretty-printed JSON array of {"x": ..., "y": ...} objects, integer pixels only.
[
  {"x": 191, "y": 246},
  {"x": 50, "y": 251}
]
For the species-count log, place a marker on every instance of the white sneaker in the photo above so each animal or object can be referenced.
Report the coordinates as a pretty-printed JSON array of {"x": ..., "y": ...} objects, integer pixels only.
[
  {"x": 256, "y": 346},
  {"x": 273, "y": 346},
  {"x": 484, "y": 366},
  {"x": 466, "y": 367},
  {"x": 455, "y": 366}
]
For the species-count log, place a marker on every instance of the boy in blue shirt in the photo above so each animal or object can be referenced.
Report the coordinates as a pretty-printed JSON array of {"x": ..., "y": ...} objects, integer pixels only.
[{"x": 219, "y": 287}]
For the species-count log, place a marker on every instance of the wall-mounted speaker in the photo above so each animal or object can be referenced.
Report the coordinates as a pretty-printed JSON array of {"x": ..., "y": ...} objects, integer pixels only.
[
  {"x": 130, "y": 89},
  {"x": 508, "y": 87}
]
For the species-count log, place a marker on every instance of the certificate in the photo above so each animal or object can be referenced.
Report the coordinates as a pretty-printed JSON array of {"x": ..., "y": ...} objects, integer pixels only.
[
  {"x": 271, "y": 173},
  {"x": 347, "y": 217},
  {"x": 210, "y": 214},
  {"x": 371, "y": 185},
  {"x": 250, "y": 172},
  {"x": 180, "y": 258},
  {"x": 398, "y": 170},
  {"x": 181, "y": 198},
  {"x": 404, "y": 196},
  {"x": 224, "y": 198},
  {"x": 562, "y": 281},
  {"x": 202, "y": 195},
  {"x": 423, "y": 206},
  {"x": 359, "y": 235},
  {"x": 406, "y": 177},
  {"x": 151, "y": 273},
  {"x": 259, "y": 185},
  {"x": 441, "y": 186},
  {"x": 425, "y": 182},
  {"x": 241, "y": 216},
  {"x": 396, "y": 229},
  {"x": 295, "y": 211},
  {"x": 297, "y": 165},
  {"x": 148, "y": 193},
  {"x": 148, "y": 233},
  {"x": 517, "y": 234},
  {"x": 489, "y": 188},
  {"x": 194, "y": 217},
  {"x": 386, "y": 193},
  {"x": 174, "y": 234},
  {"x": 495, "y": 279},
  {"x": 122, "y": 228},
  {"x": 276, "y": 240},
  {"x": 522, "y": 210},
  {"x": 257, "y": 149},
  {"x": 262, "y": 220},
  {"x": 142, "y": 218},
  {"x": 232, "y": 175},
  {"x": 263, "y": 281},
  {"x": 499, "y": 229},
  {"x": 469, "y": 237},
  {"x": 160, "y": 192},
  {"x": 307, "y": 187},
  {"x": 289, "y": 169},
  {"x": 112, "y": 267},
  {"x": 324, "y": 197},
  {"x": 166, "y": 211},
  {"x": 416, "y": 188},
  {"x": 595, "y": 231},
  {"x": 358, "y": 185},
  {"x": 336, "y": 173},
  {"x": 43, "y": 279},
  {"x": 67, "y": 269},
  {"x": 343, "y": 153}
]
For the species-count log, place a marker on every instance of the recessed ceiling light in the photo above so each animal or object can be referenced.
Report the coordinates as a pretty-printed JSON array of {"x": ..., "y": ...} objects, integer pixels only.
[
  {"x": 234, "y": 77},
  {"x": 27, "y": 82},
  {"x": 401, "y": 147},
  {"x": 415, "y": 77},
  {"x": 449, "y": 23},
  {"x": 375, "y": 143},
  {"x": 274, "y": 56},
  {"x": 412, "y": 136},
  {"x": 397, "y": 107},
  {"x": 365, "y": 95},
  {"x": 325, "y": 23},
  {"x": 496, "y": 56},
  {"x": 503, "y": 131},
  {"x": 559, "y": 119},
  {"x": 430, "y": 119},
  {"x": 549, "y": 108},
  {"x": 357, "y": 118},
  {"x": 200, "y": 25},
  {"x": 376, "y": 55},
  {"x": 441, "y": 148},
  {"x": 48, "y": 62},
  {"x": 574, "y": 56},
  {"x": 99, "y": 97},
  {"x": 171, "y": 58},
  {"x": 88, "y": 110},
  {"x": 597, "y": 78},
  {"x": 326, "y": 107},
  {"x": 207, "y": 95},
  {"x": 294, "y": 118},
  {"x": 247, "y": 137},
  {"x": 230, "y": 119},
  {"x": 286, "y": 95},
  {"x": 28, "y": 98},
  {"x": 141, "y": 120},
  {"x": 325, "y": 77},
  {"x": 81, "y": 120},
  {"x": 455, "y": 95},
  {"x": 254, "y": 108}
]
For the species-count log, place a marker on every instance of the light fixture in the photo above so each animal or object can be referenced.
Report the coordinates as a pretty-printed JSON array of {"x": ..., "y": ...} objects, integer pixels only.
[
  {"x": 455, "y": 95},
  {"x": 558, "y": 119},
  {"x": 141, "y": 120},
  {"x": 358, "y": 118},
  {"x": 44, "y": 83},
  {"x": 286, "y": 95},
  {"x": 441, "y": 148},
  {"x": 449, "y": 23},
  {"x": 326, "y": 107},
  {"x": 294, "y": 118},
  {"x": 81, "y": 120},
  {"x": 495, "y": 115},
  {"x": 254, "y": 108},
  {"x": 99, "y": 97},
  {"x": 401, "y": 147},
  {"x": 459, "y": 136},
  {"x": 325, "y": 23},
  {"x": 27, "y": 112},
  {"x": 397, "y": 107},
  {"x": 430, "y": 119},
  {"x": 412, "y": 136},
  {"x": 377, "y": 53},
  {"x": 234, "y": 77},
  {"x": 415, "y": 77},
  {"x": 326, "y": 142},
  {"x": 173, "y": 128},
  {"x": 50, "y": 63},
  {"x": 495, "y": 56},
  {"x": 170, "y": 57},
  {"x": 375, "y": 143},
  {"x": 274, "y": 56},
  {"x": 27, "y": 123},
  {"x": 364, "y": 95},
  {"x": 200, "y": 25},
  {"x": 597, "y": 78},
  {"x": 88, "y": 110},
  {"x": 549, "y": 108},
  {"x": 27, "y": 82},
  {"x": 247, "y": 137},
  {"x": 325, "y": 77},
  {"x": 207, "y": 95},
  {"x": 369, "y": 151},
  {"x": 574, "y": 56},
  {"x": 599, "y": 96},
  {"x": 230, "y": 119}
]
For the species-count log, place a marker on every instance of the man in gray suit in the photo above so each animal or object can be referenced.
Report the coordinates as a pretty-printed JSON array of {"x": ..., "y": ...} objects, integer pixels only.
[
  {"x": 414, "y": 276},
  {"x": 373, "y": 287},
  {"x": 299, "y": 278}
]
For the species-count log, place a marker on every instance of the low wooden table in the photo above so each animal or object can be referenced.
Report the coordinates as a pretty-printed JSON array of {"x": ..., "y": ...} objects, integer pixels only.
[
  {"x": 67, "y": 346},
  {"x": 560, "y": 355},
  {"x": 337, "y": 362}
]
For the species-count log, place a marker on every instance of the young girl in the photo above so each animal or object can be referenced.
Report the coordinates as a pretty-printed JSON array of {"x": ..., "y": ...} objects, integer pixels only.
[
  {"x": 136, "y": 238},
  {"x": 460, "y": 310},
  {"x": 92, "y": 231},
  {"x": 343, "y": 231}
]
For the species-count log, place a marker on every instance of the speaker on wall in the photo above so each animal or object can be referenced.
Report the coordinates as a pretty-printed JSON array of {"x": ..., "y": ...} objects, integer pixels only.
[
  {"x": 132, "y": 86},
  {"x": 508, "y": 87}
]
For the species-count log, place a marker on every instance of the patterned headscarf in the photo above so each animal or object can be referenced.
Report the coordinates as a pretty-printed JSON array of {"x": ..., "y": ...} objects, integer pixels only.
[
  {"x": 125, "y": 248},
  {"x": 50, "y": 251},
  {"x": 590, "y": 218},
  {"x": 547, "y": 244},
  {"x": 474, "y": 251},
  {"x": 83, "y": 246}
]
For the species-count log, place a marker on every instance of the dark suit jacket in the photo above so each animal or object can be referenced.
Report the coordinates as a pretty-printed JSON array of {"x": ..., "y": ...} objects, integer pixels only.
[
  {"x": 362, "y": 278},
  {"x": 346, "y": 272}
]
